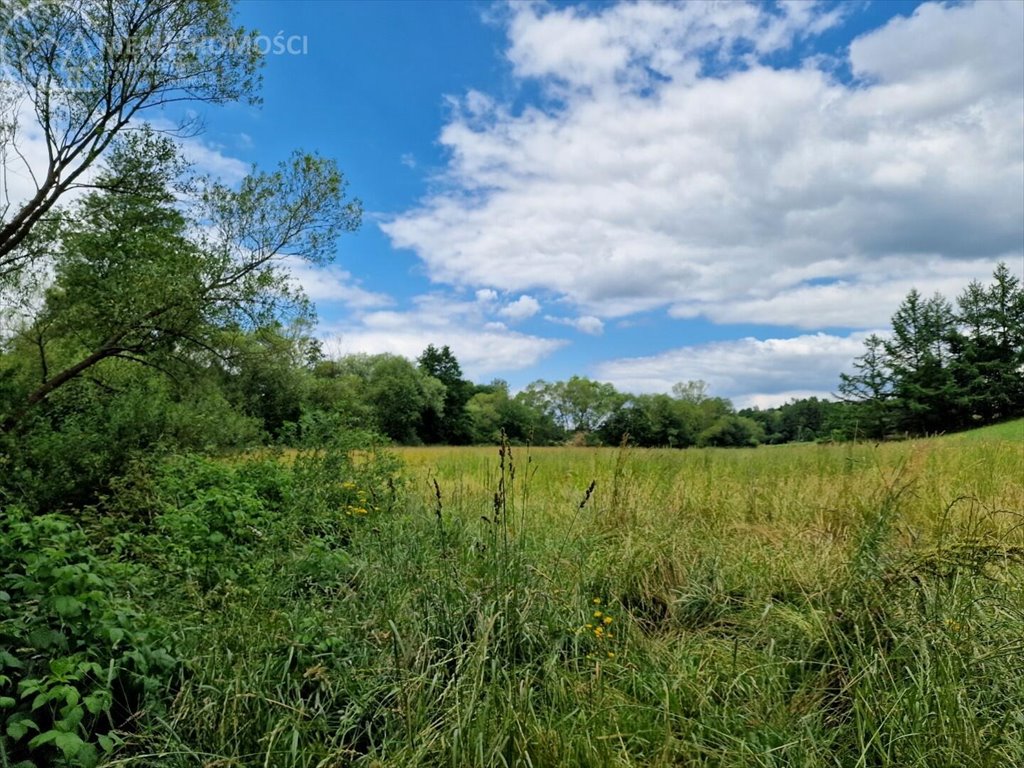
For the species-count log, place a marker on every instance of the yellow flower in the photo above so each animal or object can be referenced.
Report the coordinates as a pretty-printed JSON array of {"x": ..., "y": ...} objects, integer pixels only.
[
  {"x": 607, "y": 619},
  {"x": 597, "y": 614},
  {"x": 597, "y": 601}
]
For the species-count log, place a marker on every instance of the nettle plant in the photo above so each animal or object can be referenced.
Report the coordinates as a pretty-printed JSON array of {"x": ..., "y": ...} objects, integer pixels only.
[{"x": 78, "y": 661}]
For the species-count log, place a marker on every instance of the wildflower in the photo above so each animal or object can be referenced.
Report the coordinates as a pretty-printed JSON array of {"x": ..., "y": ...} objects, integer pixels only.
[
  {"x": 597, "y": 614},
  {"x": 597, "y": 601},
  {"x": 606, "y": 620}
]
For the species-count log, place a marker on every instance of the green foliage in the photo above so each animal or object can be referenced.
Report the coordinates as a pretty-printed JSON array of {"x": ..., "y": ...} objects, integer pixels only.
[
  {"x": 77, "y": 658},
  {"x": 450, "y": 425},
  {"x": 943, "y": 368},
  {"x": 493, "y": 412},
  {"x": 68, "y": 452},
  {"x": 82, "y": 110},
  {"x": 675, "y": 421},
  {"x": 732, "y": 432},
  {"x": 576, "y": 405}
]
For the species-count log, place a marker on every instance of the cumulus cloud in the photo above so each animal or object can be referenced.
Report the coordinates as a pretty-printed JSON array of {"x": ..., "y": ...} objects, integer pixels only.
[
  {"x": 24, "y": 155},
  {"x": 333, "y": 284},
  {"x": 483, "y": 347},
  {"x": 586, "y": 324},
  {"x": 520, "y": 309},
  {"x": 750, "y": 371},
  {"x": 673, "y": 167}
]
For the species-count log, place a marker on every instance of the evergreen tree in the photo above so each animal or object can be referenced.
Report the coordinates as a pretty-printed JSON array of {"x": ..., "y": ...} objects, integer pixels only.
[
  {"x": 870, "y": 389},
  {"x": 989, "y": 348},
  {"x": 919, "y": 356}
]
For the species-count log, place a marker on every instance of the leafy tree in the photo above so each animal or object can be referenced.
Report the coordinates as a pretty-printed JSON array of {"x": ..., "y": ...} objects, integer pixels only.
[
  {"x": 732, "y": 432},
  {"x": 654, "y": 421},
  {"x": 87, "y": 69},
  {"x": 493, "y": 412},
  {"x": 134, "y": 281},
  {"x": 400, "y": 394},
  {"x": 579, "y": 404},
  {"x": 451, "y": 424},
  {"x": 267, "y": 375},
  {"x": 386, "y": 394},
  {"x": 694, "y": 391}
]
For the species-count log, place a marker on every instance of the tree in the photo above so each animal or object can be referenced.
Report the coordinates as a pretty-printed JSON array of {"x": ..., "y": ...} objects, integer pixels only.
[
  {"x": 87, "y": 69},
  {"x": 870, "y": 387},
  {"x": 135, "y": 279},
  {"x": 653, "y": 421},
  {"x": 694, "y": 391},
  {"x": 451, "y": 424},
  {"x": 918, "y": 354},
  {"x": 579, "y": 404},
  {"x": 732, "y": 432},
  {"x": 988, "y": 348},
  {"x": 400, "y": 394}
]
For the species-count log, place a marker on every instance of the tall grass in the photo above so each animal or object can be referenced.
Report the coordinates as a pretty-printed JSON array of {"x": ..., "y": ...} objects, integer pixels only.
[{"x": 850, "y": 605}]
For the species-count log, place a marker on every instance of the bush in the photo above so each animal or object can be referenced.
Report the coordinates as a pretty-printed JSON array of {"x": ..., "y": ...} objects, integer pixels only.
[
  {"x": 77, "y": 659},
  {"x": 732, "y": 432}
]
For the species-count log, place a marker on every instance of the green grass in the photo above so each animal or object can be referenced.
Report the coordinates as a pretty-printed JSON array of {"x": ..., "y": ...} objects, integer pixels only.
[
  {"x": 848, "y": 605},
  {"x": 1008, "y": 430}
]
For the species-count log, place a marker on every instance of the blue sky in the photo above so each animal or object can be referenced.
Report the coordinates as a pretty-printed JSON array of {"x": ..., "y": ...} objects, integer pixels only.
[{"x": 645, "y": 193}]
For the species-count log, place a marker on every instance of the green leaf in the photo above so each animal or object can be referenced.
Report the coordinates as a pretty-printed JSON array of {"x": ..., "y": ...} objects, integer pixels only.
[
  {"x": 18, "y": 728},
  {"x": 68, "y": 606},
  {"x": 68, "y": 743},
  {"x": 43, "y": 738},
  {"x": 7, "y": 660},
  {"x": 93, "y": 704},
  {"x": 6, "y": 701}
]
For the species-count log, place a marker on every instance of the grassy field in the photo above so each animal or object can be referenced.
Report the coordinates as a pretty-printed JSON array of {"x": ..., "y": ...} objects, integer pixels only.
[
  {"x": 841, "y": 605},
  {"x": 1008, "y": 430}
]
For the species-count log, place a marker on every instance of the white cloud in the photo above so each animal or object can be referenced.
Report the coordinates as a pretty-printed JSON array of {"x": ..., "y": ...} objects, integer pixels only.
[
  {"x": 755, "y": 195},
  {"x": 749, "y": 371},
  {"x": 585, "y": 324},
  {"x": 521, "y": 308},
  {"x": 211, "y": 159},
  {"x": 24, "y": 157},
  {"x": 775, "y": 399},
  {"x": 332, "y": 283},
  {"x": 482, "y": 347}
]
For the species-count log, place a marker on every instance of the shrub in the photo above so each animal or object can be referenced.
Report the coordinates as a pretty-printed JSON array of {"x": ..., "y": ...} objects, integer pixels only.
[{"x": 77, "y": 659}]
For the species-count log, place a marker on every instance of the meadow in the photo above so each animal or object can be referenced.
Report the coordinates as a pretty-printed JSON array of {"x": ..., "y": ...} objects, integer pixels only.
[{"x": 805, "y": 605}]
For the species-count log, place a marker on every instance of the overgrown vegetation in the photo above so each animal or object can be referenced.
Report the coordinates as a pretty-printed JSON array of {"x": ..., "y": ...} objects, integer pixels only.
[
  {"x": 817, "y": 605},
  {"x": 209, "y": 557}
]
